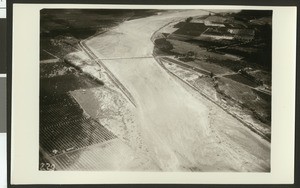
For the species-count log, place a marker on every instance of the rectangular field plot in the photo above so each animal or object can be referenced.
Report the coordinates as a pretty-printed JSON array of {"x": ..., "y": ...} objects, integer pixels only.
[
  {"x": 65, "y": 127},
  {"x": 102, "y": 156},
  {"x": 111, "y": 155},
  {"x": 73, "y": 135},
  {"x": 242, "y": 79}
]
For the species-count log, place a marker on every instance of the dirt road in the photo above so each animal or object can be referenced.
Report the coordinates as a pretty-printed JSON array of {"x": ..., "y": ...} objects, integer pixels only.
[{"x": 180, "y": 130}]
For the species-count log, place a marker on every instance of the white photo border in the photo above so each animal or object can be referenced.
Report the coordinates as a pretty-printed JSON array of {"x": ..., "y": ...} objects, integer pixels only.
[{"x": 25, "y": 106}]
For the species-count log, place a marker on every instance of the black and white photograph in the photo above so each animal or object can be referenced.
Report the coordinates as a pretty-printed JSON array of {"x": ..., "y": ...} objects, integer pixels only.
[{"x": 155, "y": 90}]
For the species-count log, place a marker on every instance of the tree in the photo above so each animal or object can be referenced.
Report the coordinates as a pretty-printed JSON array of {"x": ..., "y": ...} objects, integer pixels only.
[
  {"x": 163, "y": 44},
  {"x": 189, "y": 19}
]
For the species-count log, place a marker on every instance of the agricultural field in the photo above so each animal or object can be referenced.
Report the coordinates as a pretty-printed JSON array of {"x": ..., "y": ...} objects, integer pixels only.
[
  {"x": 71, "y": 106},
  {"x": 75, "y": 132},
  {"x": 56, "y": 104},
  {"x": 242, "y": 79},
  {"x": 189, "y": 29},
  {"x": 239, "y": 67}
]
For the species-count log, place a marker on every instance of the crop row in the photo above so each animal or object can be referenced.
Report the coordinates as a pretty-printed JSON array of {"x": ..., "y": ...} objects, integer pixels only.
[
  {"x": 51, "y": 99},
  {"x": 55, "y": 117},
  {"x": 94, "y": 158},
  {"x": 73, "y": 135}
]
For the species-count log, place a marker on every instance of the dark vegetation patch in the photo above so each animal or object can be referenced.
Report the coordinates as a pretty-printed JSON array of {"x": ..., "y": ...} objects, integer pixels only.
[
  {"x": 261, "y": 76},
  {"x": 246, "y": 15},
  {"x": 263, "y": 95},
  {"x": 79, "y": 33},
  {"x": 82, "y": 23},
  {"x": 231, "y": 64},
  {"x": 45, "y": 56},
  {"x": 258, "y": 51},
  {"x": 210, "y": 43},
  {"x": 191, "y": 29},
  {"x": 239, "y": 50},
  {"x": 179, "y": 25},
  {"x": 163, "y": 45},
  {"x": 211, "y": 67},
  {"x": 64, "y": 83},
  {"x": 53, "y": 69},
  {"x": 159, "y": 52},
  {"x": 242, "y": 79},
  {"x": 57, "y": 46},
  {"x": 53, "y": 111},
  {"x": 247, "y": 98},
  {"x": 61, "y": 77}
]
